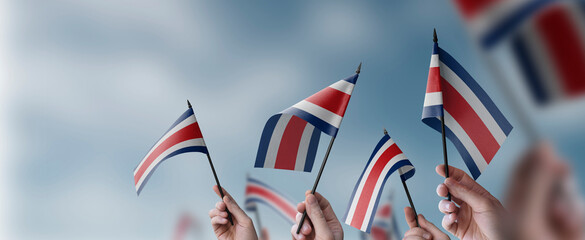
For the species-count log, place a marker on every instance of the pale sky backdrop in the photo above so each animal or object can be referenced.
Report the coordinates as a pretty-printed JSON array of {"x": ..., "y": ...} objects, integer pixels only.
[{"x": 89, "y": 86}]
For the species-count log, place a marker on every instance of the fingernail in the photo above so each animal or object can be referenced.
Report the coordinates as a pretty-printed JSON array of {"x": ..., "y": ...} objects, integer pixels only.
[
  {"x": 426, "y": 235},
  {"x": 305, "y": 227}
]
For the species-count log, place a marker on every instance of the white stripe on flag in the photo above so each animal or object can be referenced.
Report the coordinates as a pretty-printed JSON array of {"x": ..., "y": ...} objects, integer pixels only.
[
  {"x": 378, "y": 188},
  {"x": 434, "y": 98},
  {"x": 474, "y": 102},
  {"x": 434, "y": 60},
  {"x": 454, "y": 126},
  {"x": 319, "y": 112},
  {"x": 184, "y": 144},
  {"x": 343, "y": 86},
  {"x": 405, "y": 169},
  {"x": 275, "y": 140},
  {"x": 188, "y": 121},
  {"x": 358, "y": 191},
  {"x": 304, "y": 147}
]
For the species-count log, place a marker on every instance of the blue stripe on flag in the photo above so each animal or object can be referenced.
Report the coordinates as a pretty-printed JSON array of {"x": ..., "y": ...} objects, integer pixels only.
[
  {"x": 531, "y": 76},
  {"x": 312, "y": 150},
  {"x": 436, "y": 48},
  {"x": 265, "y": 140},
  {"x": 352, "y": 78},
  {"x": 435, "y": 123},
  {"x": 202, "y": 149},
  {"x": 408, "y": 174},
  {"x": 381, "y": 143},
  {"x": 476, "y": 89},
  {"x": 432, "y": 111},
  {"x": 312, "y": 119},
  {"x": 512, "y": 22}
]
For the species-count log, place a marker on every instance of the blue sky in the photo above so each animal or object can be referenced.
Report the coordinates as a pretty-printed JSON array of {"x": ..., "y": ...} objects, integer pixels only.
[{"x": 93, "y": 84}]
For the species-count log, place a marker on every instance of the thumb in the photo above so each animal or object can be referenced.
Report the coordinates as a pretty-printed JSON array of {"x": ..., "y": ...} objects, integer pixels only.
[
  {"x": 424, "y": 223},
  {"x": 315, "y": 213},
  {"x": 470, "y": 195},
  {"x": 236, "y": 211}
]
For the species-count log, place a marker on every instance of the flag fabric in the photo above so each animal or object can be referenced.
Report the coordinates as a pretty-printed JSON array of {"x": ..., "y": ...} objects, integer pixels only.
[
  {"x": 182, "y": 137},
  {"x": 385, "y": 226},
  {"x": 386, "y": 159},
  {"x": 185, "y": 223},
  {"x": 290, "y": 138},
  {"x": 473, "y": 123},
  {"x": 546, "y": 39},
  {"x": 259, "y": 192}
]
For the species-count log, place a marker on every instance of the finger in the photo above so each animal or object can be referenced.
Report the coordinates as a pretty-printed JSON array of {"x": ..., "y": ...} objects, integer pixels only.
[
  {"x": 326, "y": 207},
  {"x": 219, "y": 194},
  {"x": 447, "y": 207},
  {"x": 410, "y": 217},
  {"x": 214, "y": 212},
  {"x": 301, "y": 207},
  {"x": 434, "y": 230},
  {"x": 450, "y": 223},
  {"x": 478, "y": 200},
  {"x": 443, "y": 191},
  {"x": 413, "y": 238},
  {"x": 236, "y": 211},
  {"x": 217, "y": 220},
  {"x": 314, "y": 212},
  {"x": 460, "y": 176},
  {"x": 220, "y": 206},
  {"x": 306, "y": 229},
  {"x": 418, "y": 232},
  {"x": 293, "y": 232},
  {"x": 265, "y": 235}
]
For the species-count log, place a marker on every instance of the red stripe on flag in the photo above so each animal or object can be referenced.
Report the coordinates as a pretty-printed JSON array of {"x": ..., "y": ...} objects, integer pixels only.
[
  {"x": 331, "y": 99},
  {"x": 189, "y": 132},
  {"x": 273, "y": 198},
  {"x": 370, "y": 184},
  {"x": 434, "y": 82},
  {"x": 470, "y": 8},
  {"x": 565, "y": 46},
  {"x": 471, "y": 123},
  {"x": 289, "y": 144}
]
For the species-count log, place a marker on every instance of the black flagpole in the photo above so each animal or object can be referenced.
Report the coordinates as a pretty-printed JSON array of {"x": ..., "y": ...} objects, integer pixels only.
[
  {"x": 216, "y": 179},
  {"x": 257, "y": 216},
  {"x": 445, "y": 159},
  {"x": 407, "y": 193},
  {"x": 322, "y": 167}
]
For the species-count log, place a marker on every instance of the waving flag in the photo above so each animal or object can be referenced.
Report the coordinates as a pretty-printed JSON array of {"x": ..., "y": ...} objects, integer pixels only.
[
  {"x": 290, "y": 138},
  {"x": 183, "y": 136},
  {"x": 385, "y": 159},
  {"x": 473, "y": 123},
  {"x": 259, "y": 192},
  {"x": 546, "y": 39}
]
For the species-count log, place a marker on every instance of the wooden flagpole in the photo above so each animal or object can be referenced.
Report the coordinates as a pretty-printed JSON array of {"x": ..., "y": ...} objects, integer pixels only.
[
  {"x": 215, "y": 176},
  {"x": 445, "y": 159},
  {"x": 322, "y": 167}
]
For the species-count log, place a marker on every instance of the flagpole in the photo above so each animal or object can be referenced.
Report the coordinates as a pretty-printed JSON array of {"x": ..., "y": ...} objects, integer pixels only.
[
  {"x": 257, "y": 216},
  {"x": 445, "y": 158},
  {"x": 322, "y": 167},
  {"x": 215, "y": 176}
]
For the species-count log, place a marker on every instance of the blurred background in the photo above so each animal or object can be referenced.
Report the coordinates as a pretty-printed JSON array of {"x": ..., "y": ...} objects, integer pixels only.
[{"x": 89, "y": 86}]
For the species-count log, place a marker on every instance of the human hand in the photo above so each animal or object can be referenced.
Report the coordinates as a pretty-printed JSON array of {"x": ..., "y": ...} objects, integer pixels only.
[
  {"x": 243, "y": 227},
  {"x": 477, "y": 215},
  {"x": 426, "y": 231},
  {"x": 264, "y": 234},
  {"x": 321, "y": 222}
]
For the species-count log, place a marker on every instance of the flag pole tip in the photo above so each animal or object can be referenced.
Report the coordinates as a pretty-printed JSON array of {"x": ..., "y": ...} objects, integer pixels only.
[
  {"x": 435, "y": 35},
  {"x": 189, "y": 103},
  {"x": 359, "y": 68},
  {"x": 385, "y": 132}
]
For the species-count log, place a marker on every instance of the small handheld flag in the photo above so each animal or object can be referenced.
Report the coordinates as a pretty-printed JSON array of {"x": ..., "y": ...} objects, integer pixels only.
[
  {"x": 458, "y": 107},
  {"x": 182, "y": 137},
  {"x": 385, "y": 159},
  {"x": 290, "y": 138},
  {"x": 259, "y": 192},
  {"x": 325, "y": 110}
]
